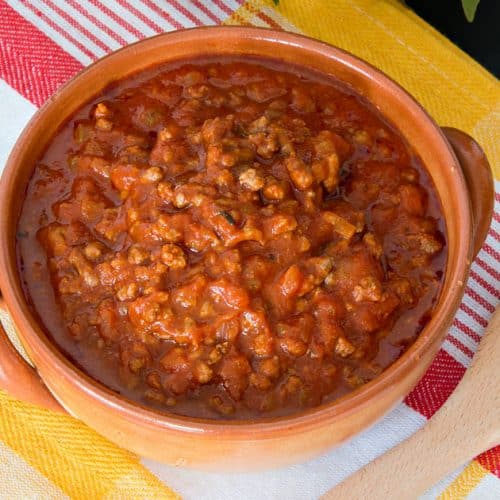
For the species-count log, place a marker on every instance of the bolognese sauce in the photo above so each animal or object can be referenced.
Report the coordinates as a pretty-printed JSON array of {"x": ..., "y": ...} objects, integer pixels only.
[{"x": 231, "y": 239}]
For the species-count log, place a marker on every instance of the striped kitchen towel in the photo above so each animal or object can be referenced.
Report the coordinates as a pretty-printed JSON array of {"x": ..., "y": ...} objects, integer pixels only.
[{"x": 43, "y": 43}]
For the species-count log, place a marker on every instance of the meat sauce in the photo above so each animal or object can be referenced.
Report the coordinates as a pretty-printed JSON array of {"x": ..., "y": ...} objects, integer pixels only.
[{"x": 231, "y": 239}]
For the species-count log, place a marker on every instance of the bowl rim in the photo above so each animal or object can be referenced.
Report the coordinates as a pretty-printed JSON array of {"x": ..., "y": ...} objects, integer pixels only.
[{"x": 35, "y": 337}]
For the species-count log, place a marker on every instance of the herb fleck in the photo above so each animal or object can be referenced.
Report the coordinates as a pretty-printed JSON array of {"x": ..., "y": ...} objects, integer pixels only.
[{"x": 228, "y": 217}]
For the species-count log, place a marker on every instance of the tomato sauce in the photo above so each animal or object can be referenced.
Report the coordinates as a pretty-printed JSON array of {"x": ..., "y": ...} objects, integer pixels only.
[{"x": 231, "y": 239}]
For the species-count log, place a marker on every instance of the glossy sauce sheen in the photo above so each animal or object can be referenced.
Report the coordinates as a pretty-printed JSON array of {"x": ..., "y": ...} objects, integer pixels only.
[{"x": 231, "y": 239}]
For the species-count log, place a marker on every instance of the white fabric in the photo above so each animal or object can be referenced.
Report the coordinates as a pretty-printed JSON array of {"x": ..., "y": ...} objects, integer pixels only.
[
  {"x": 15, "y": 111},
  {"x": 303, "y": 481}
]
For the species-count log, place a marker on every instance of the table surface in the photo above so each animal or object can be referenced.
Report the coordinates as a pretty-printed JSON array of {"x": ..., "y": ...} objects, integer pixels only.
[{"x": 45, "y": 42}]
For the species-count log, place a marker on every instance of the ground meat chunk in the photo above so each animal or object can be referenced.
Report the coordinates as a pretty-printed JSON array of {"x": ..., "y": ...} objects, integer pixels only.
[
  {"x": 234, "y": 372},
  {"x": 173, "y": 256},
  {"x": 251, "y": 179}
]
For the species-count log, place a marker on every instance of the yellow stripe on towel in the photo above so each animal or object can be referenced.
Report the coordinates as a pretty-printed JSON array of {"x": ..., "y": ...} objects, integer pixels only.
[
  {"x": 74, "y": 458},
  {"x": 465, "y": 482}
]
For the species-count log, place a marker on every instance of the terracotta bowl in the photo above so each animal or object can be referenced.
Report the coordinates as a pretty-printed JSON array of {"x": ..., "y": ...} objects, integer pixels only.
[{"x": 463, "y": 180}]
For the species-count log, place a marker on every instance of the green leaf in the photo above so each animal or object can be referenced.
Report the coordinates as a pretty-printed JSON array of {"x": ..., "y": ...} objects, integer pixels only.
[
  {"x": 470, "y": 7},
  {"x": 276, "y": 2}
]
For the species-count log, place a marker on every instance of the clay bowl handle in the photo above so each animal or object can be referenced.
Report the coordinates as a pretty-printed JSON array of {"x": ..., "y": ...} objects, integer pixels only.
[
  {"x": 19, "y": 379},
  {"x": 479, "y": 179}
]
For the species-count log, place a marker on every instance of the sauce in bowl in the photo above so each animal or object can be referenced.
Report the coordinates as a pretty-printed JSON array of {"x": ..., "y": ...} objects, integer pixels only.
[{"x": 231, "y": 238}]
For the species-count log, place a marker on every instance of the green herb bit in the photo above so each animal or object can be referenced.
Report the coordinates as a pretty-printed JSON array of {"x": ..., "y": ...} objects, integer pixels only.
[{"x": 228, "y": 217}]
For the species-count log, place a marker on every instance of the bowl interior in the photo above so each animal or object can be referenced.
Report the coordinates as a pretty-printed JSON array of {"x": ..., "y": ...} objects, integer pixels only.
[{"x": 395, "y": 104}]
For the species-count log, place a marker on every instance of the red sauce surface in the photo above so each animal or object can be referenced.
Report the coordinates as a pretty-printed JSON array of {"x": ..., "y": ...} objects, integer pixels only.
[{"x": 231, "y": 239}]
